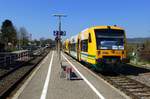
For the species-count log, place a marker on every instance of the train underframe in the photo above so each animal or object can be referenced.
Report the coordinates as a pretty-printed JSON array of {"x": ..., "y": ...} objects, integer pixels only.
[{"x": 107, "y": 64}]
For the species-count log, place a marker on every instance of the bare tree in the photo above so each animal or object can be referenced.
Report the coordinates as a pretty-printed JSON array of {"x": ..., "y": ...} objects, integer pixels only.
[{"x": 23, "y": 36}]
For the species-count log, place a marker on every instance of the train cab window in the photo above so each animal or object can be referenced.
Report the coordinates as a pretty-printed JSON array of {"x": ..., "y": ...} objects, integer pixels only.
[
  {"x": 84, "y": 45},
  {"x": 90, "y": 40}
]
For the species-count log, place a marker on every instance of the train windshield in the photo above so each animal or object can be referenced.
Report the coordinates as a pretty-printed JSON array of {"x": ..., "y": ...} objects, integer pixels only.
[{"x": 110, "y": 39}]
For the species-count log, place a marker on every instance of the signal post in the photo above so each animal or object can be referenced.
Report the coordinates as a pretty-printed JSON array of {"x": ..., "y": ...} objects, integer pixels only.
[{"x": 58, "y": 33}]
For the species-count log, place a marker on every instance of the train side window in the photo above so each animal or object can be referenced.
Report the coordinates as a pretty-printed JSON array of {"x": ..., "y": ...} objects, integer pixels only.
[
  {"x": 84, "y": 45},
  {"x": 73, "y": 47},
  {"x": 90, "y": 40}
]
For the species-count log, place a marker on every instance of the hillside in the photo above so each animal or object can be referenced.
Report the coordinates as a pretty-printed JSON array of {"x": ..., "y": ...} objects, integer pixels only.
[{"x": 137, "y": 40}]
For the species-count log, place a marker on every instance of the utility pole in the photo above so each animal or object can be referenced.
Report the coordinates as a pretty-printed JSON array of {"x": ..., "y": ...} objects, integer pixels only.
[
  {"x": 58, "y": 35},
  {"x": 30, "y": 38},
  {"x": 19, "y": 45}
]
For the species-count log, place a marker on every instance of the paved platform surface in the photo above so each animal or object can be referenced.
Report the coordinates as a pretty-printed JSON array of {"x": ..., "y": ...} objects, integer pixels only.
[{"x": 55, "y": 86}]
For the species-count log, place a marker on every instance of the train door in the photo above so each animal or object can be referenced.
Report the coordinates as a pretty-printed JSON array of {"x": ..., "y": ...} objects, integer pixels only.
[
  {"x": 91, "y": 49},
  {"x": 69, "y": 47},
  {"x": 78, "y": 49}
]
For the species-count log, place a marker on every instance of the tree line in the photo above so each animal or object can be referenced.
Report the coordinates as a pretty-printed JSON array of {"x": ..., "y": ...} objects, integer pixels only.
[
  {"x": 141, "y": 50},
  {"x": 12, "y": 38}
]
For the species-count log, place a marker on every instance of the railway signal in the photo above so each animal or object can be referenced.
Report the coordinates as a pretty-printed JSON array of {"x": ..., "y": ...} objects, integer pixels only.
[{"x": 58, "y": 35}]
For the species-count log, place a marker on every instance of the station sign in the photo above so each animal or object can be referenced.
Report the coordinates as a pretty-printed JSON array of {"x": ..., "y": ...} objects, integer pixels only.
[{"x": 61, "y": 33}]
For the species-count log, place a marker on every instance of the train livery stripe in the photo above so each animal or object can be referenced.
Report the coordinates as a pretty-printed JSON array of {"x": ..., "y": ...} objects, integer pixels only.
[
  {"x": 83, "y": 55},
  {"x": 93, "y": 56},
  {"x": 87, "y": 56}
]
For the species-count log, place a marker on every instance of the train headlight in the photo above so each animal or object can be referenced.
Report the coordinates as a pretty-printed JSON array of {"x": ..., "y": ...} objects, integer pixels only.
[{"x": 121, "y": 47}]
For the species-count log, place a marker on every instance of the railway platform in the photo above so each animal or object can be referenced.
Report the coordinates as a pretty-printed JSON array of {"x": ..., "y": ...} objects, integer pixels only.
[{"x": 49, "y": 81}]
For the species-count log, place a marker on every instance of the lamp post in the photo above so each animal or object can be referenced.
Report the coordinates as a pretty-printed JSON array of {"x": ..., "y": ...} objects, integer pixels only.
[{"x": 58, "y": 35}]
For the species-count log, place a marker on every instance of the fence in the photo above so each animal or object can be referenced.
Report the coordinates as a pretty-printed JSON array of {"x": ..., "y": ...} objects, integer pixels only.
[{"x": 8, "y": 58}]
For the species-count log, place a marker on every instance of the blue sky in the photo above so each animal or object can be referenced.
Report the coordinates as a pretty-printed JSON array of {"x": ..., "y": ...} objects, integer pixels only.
[{"x": 36, "y": 15}]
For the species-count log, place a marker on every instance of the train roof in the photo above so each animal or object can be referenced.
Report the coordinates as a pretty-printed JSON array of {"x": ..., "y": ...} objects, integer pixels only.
[
  {"x": 103, "y": 27},
  {"x": 84, "y": 34},
  {"x": 107, "y": 27}
]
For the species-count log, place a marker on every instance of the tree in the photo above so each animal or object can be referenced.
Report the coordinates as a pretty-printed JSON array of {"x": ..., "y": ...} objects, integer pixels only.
[
  {"x": 36, "y": 42},
  {"x": 23, "y": 36},
  {"x": 48, "y": 41},
  {"x": 147, "y": 43},
  {"x": 42, "y": 41},
  {"x": 9, "y": 34}
]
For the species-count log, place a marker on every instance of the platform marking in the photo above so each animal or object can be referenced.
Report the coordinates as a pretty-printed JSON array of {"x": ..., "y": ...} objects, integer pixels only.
[
  {"x": 44, "y": 92},
  {"x": 121, "y": 93},
  {"x": 21, "y": 89},
  {"x": 91, "y": 86}
]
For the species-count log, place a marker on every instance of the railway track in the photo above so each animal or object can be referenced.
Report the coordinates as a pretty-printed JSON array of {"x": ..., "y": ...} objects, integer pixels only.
[
  {"x": 132, "y": 88},
  {"x": 120, "y": 80},
  {"x": 10, "y": 80},
  {"x": 16, "y": 66}
]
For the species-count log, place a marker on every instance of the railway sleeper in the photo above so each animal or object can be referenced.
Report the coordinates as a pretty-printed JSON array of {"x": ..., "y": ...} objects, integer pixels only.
[
  {"x": 142, "y": 95},
  {"x": 141, "y": 92},
  {"x": 122, "y": 81},
  {"x": 127, "y": 84},
  {"x": 131, "y": 87},
  {"x": 138, "y": 90},
  {"x": 118, "y": 79},
  {"x": 135, "y": 95}
]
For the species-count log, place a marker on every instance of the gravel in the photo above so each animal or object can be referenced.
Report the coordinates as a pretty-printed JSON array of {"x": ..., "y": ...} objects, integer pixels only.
[
  {"x": 139, "y": 73},
  {"x": 143, "y": 78}
]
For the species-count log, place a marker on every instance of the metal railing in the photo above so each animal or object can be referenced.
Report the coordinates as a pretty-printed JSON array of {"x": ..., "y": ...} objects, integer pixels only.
[{"x": 8, "y": 58}]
